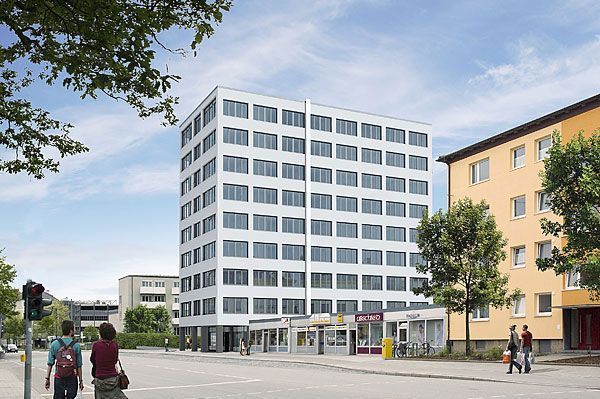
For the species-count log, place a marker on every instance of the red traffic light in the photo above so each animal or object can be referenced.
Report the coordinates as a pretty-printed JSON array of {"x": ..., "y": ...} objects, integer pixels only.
[{"x": 36, "y": 290}]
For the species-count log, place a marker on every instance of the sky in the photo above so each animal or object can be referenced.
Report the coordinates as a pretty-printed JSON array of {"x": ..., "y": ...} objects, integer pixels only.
[{"x": 470, "y": 68}]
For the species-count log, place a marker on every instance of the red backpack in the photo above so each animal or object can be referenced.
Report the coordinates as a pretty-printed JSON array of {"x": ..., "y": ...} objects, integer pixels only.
[{"x": 66, "y": 361}]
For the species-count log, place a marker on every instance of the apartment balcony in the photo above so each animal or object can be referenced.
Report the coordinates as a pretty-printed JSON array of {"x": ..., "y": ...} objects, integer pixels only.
[
  {"x": 175, "y": 306},
  {"x": 175, "y": 290},
  {"x": 175, "y": 321},
  {"x": 153, "y": 290},
  {"x": 153, "y": 305}
]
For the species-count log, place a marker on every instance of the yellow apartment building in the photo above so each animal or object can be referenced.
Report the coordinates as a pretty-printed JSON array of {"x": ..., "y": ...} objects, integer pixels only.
[{"x": 504, "y": 171}]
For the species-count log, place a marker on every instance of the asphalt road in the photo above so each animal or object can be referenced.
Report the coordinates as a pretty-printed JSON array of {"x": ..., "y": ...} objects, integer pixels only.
[{"x": 157, "y": 376}]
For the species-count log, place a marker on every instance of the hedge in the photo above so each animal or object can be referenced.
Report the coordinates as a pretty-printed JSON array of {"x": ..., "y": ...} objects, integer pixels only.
[{"x": 133, "y": 340}]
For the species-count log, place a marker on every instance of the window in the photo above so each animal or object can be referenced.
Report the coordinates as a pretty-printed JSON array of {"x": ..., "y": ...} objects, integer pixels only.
[
  {"x": 346, "y": 178},
  {"x": 348, "y": 230},
  {"x": 393, "y": 258},
  {"x": 197, "y": 203},
  {"x": 265, "y": 250},
  {"x": 544, "y": 304},
  {"x": 209, "y": 224},
  {"x": 209, "y": 278},
  {"x": 394, "y": 159},
  {"x": 394, "y": 283},
  {"x": 320, "y": 175},
  {"x": 292, "y": 225},
  {"x": 322, "y": 123},
  {"x": 543, "y": 202},
  {"x": 186, "y": 161},
  {"x": 371, "y": 232},
  {"x": 235, "y": 136},
  {"x": 345, "y": 127},
  {"x": 186, "y": 185},
  {"x": 264, "y": 168},
  {"x": 395, "y": 184},
  {"x": 320, "y": 201},
  {"x": 371, "y": 206},
  {"x": 235, "y": 164},
  {"x": 371, "y": 181},
  {"x": 347, "y": 152},
  {"x": 518, "y": 157},
  {"x": 418, "y": 139},
  {"x": 197, "y": 177},
  {"x": 370, "y": 131},
  {"x": 197, "y": 284},
  {"x": 265, "y": 140},
  {"x": 292, "y": 279},
  {"x": 320, "y": 227},
  {"x": 481, "y": 313},
  {"x": 347, "y": 306},
  {"x": 395, "y": 208},
  {"x": 146, "y": 283},
  {"x": 371, "y": 156},
  {"x": 236, "y": 249},
  {"x": 413, "y": 235},
  {"x": 159, "y": 284},
  {"x": 417, "y": 282},
  {"x": 395, "y": 233},
  {"x": 292, "y": 306},
  {"x": 186, "y": 210},
  {"x": 320, "y": 148},
  {"x": 346, "y": 204},
  {"x": 394, "y": 135},
  {"x": 370, "y": 306},
  {"x": 263, "y": 195},
  {"x": 292, "y": 171},
  {"x": 209, "y": 250},
  {"x": 265, "y": 223},
  {"x": 209, "y": 306},
  {"x": 186, "y": 309},
  {"x": 292, "y": 144},
  {"x": 395, "y": 305},
  {"x": 542, "y": 146},
  {"x": 292, "y": 198},
  {"x": 197, "y": 307},
  {"x": 265, "y": 114},
  {"x": 235, "y": 305},
  {"x": 518, "y": 256},
  {"x": 197, "y": 151},
  {"x": 320, "y": 280},
  {"x": 371, "y": 257},
  {"x": 233, "y": 220},
  {"x": 197, "y": 254},
  {"x": 320, "y": 306},
  {"x": 292, "y": 252},
  {"x": 347, "y": 282},
  {"x": 265, "y": 278},
  {"x": 417, "y": 187},
  {"x": 235, "y": 192},
  {"x": 235, "y": 108},
  {"x": 265, "y": 306},
  {"x": 518, "y": 308},
  {"x": 235, "y": 277},
  {"x": 209, "y": 141},
  {"x": 416, "y": 259},
  {"x": 320, "y": 254},
  {"x": 416, "y": 211},
  {"x": 480, "y": 171},
  {"x": 518, "y": 206},
  {"x": 209, "y": 169},
  {"x": 544, "y": 250},
  {"x": 417, "y": 163},
  {"x": 186, "y": 135},
  {"x": 572, "y": 278},
  {"x": 347, "y": 255},
  {"x": 292, "y": 118},
  {"x": 208, "y": 197},
  {"x": 210, "y": 111},
  {"x": 197, "y": 124},
  {"x": 186, "y": 284}
]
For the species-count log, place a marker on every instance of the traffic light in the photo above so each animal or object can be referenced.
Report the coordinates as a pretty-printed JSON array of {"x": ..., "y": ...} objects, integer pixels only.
[{"x": 34, "y": 302}]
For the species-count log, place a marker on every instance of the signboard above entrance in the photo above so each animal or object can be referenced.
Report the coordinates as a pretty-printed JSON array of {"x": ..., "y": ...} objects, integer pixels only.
[
  {"x": 321, "y": 318},
  {"x": 368, "y": 317}
]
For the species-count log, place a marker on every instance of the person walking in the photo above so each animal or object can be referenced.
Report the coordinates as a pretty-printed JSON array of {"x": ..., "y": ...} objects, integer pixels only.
[
  {"x": 512, "y": 346},
  {"x": 65, "y": 353},
  {"x": 166, "y": 344},
  {"x": 526, "y": 346},
  {"x": 104, "y": 358}
]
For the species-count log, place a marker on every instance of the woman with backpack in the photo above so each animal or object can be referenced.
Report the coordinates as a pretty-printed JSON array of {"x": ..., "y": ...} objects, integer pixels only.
[{"x": 104, "y": 358}]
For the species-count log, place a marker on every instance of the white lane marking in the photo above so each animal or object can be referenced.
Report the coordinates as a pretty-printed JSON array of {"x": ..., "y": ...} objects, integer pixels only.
[
  {"x": 192, "y": 386},
  {"x": 557, "y": 392},
  {"x": 232, "y": 376},
  {"x": 276, "y": 390},
  {"x": 196, "y": 371},
  {"x": 498, "y": 396}
]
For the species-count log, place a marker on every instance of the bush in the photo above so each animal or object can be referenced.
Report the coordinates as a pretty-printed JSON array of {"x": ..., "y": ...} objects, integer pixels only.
[
  {"x": 133, "y": 340},
  {"x": 494, "y": 353}
]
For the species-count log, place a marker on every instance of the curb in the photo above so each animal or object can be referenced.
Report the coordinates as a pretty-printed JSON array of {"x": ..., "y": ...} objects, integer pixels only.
[{"x": 367, "y": 371}]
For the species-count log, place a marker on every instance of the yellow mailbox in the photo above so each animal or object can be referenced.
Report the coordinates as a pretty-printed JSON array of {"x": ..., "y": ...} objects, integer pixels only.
[{"x": 387, "y": 348}]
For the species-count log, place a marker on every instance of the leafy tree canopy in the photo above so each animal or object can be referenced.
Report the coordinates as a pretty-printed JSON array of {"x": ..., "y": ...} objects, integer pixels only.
[
  {"x": 51, "y": 325},
  {"x": 138, "y": 320},
  {"x": 90, "y": 47},
  {"x": 571, "y": 179},
  {"x": 8, "y": 295},
  {"x": 90, "y": 333},
  {"x": 14, "y": 327},
  {"x": 161, "y": 320}
]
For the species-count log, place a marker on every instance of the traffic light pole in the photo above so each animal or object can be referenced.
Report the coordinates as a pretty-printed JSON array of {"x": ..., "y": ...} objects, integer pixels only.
[{"x": 28, "y": 350}]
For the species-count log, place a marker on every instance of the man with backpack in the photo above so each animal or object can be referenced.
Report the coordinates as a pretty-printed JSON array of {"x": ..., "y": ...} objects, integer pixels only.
[{"x": 65, "y": 353}]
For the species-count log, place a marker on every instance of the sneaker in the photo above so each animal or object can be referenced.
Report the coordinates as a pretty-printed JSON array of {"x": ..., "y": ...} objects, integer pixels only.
[
  {"x": 509, "y": 372},
  {"x": 519, "y": 371}
]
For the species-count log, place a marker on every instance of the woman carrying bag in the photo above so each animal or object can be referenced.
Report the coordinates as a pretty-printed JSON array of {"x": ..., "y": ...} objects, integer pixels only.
[{"x": 105, "y": 356}]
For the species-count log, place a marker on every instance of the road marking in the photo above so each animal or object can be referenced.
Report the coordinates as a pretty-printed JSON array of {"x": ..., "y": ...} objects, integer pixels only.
[
  {"x": 232, "y": 376},
  {"x": 196, "y": 371}
]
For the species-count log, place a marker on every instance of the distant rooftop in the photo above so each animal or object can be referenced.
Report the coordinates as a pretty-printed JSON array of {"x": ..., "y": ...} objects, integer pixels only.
[{"x": 148, "y": 276}]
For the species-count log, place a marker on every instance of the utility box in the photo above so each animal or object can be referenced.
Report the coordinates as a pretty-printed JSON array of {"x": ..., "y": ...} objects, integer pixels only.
[{"x": 387, "y": 349}]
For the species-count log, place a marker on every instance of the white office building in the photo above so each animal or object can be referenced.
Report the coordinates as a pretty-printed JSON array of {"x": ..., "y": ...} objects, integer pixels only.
[{"x": 293, "y": 208}]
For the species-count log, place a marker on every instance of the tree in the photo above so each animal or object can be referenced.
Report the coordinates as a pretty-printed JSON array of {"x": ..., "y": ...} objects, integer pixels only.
[
  {"x": 463, "y": 248},
  {"x": 139, "y": 320},
  {"x": 90, "y": 333},
  {"x": 8, "y": 295},
  {"x": 14, "y": 327},
  {"x": 161, "y": 322},
  {"x": 51, "y": 325},
  {"x": 89, "y": 47},
  {"x": 571, "y": 180}
]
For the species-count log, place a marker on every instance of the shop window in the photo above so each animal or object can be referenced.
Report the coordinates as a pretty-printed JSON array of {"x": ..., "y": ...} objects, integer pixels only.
[
  {"x": 435, "y": 332},
  {"x": 283, "y": 337},
  {"x": 341, "y": 338},
  {"x": 376, "y": 333},
  {"x": 301, "y": 338},
  {"x": 330, "y": 337},
  {"x": 273, "y": 337},
  {"x": 363, "y": 335}
]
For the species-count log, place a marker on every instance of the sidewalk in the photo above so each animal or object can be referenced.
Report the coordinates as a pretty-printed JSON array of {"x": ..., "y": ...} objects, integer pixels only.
[
  {"x": 546, "y": 375},
  {"x": 11, "y": 386}
]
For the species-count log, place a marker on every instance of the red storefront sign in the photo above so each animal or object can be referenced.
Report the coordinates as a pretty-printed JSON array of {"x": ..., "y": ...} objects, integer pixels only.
[{"x": 368, "y": 317}]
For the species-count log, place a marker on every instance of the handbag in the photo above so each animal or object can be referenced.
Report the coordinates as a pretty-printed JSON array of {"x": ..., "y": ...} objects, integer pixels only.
[
  {"x": 122, "y": 377},
  {"x": 521, "y": 358},
  {"x": 531, "y": 358},
  {"x": 506, "y": 357}
]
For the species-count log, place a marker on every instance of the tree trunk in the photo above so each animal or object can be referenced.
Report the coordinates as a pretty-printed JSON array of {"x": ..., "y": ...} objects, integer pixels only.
[{"x": 467, "y": 334}]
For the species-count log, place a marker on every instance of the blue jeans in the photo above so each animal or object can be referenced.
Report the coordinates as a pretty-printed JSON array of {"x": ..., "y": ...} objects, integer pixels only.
[
  {"x": 61, "y": 385},
  {"x": 526, "y": 352}
]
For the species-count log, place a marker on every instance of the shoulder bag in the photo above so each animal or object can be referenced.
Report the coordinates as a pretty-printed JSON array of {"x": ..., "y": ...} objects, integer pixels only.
[{"x": 122, "y": 377}]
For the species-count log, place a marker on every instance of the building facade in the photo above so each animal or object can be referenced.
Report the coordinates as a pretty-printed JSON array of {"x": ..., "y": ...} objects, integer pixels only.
[
  {"x": 504, "y": 171},
  {"x": 90, "y": 313},
  {"x": 293, "y": 208},
  {"x": 150, "y": 291}
]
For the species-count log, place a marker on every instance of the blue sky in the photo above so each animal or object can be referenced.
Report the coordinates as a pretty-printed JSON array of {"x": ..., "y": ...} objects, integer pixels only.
[{"x": 471, "y": 68}]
